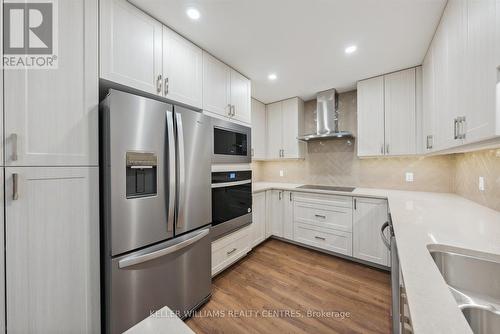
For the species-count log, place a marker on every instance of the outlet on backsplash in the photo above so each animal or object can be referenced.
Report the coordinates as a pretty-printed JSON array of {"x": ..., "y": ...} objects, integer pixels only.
[
  {"x": 409, "y": 177},
  {"x": 481, "y": 183}
]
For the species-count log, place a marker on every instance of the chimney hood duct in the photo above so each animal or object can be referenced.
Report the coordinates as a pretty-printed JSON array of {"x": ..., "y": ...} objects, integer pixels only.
[{"x": 327, "y": 118}]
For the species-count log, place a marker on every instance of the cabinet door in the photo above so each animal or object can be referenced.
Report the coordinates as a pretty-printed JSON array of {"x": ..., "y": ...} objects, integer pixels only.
[
  {"x": 400, "y": 115},
  {"x": 429, "y": 111},
  {"x": 275, "y": 202},
  {"x": 2, "y": 254},
  {"x": 216, "y": 85},
  {"x": 240, "y": 97},
  {"x": 481, "y": 72},
  {"x": 288, "y": 215},
  {"x": 131, "y": 46},
  {"x": 182, "y": 69},
  {"x": 51, "y": 115},
  {"x": 259, "y": 218},
  {"x": 369, "y": 216},
  {"x": 274, "y": 130},
  {"x": 293, "y": 123},
  {"x": 258, "y": 130},
  {"x": 371, "y": 117},
  {"x": 52, "y": 248}
]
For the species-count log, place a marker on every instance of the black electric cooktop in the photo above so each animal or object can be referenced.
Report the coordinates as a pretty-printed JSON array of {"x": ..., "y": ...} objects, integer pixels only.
[{"x": 328, "y": 188}]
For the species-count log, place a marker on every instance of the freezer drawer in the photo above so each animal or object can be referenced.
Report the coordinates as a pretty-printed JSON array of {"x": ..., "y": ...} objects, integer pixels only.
[{"x": 175, "y": 273}]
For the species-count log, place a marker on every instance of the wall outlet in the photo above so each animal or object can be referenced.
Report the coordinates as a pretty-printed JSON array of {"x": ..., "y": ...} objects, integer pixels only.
[
  {"x": 282, "y": 173},
  {"x": 481, "y": 183},
  {"x": 409, "y": 177}
]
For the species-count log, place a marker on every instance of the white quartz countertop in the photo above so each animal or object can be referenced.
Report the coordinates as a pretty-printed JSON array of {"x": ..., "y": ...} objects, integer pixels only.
[
  {"x": 421, "y": 219},
  {"x": 163, "y": 321}
]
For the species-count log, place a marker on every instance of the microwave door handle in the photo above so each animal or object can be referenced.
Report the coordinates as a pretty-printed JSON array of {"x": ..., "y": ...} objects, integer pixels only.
[
  {"x": 171, "y": 171},
  {"x": 181, "y": 173},
  {"x": 138, "y": 259}
]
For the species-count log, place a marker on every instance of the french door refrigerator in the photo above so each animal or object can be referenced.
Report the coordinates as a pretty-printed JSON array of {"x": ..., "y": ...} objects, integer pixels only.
[{"x": 156, "y": 208}]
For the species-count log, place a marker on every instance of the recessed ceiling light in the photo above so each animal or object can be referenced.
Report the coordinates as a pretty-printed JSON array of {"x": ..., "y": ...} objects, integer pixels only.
[
  {"x": 351, "y": 49},
  {"x": 193, "y": 13},
  {"x": 272, "y": 76}
]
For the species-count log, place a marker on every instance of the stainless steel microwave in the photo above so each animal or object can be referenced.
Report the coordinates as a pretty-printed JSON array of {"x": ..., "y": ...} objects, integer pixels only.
[{"x": 231, "y": 142}]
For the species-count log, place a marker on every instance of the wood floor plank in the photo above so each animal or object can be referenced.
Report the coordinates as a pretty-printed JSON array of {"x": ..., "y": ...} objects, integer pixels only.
[{"x": 278, "y": 286}]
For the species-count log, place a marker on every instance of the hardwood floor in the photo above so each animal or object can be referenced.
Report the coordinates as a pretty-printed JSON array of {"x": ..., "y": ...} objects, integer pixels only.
[{"x": 277, "y": 284}]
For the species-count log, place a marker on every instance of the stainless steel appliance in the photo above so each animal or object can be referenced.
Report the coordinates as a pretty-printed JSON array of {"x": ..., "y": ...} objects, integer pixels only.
[
  {"x": 327, "y": 118},
  {"x": 401, "y": 321},
  {"x": 231, "y": 142},
  {"x": 156, "y": 208},
  {"x": 231, "y": 201}
]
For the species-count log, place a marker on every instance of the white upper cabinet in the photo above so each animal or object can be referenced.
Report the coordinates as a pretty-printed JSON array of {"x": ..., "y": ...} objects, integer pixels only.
[
  {"x": 400, "y": 113},
  {"x": 51, "y": 115},
  {"x": 387, "y": 114},
  {"x": 285, "y": 122},
  {"x": 293, "y": 126},
  {"x": 429, "y": 131},
  {"x": 371, "y": 117},
  {"x": 182, "y": 69},
  {"x": 368, "y": 217},
  {"x": 241, "y": 97},
  {"x": 226, "y": 92},
  {"x": 274, "y": 128},
  {"x": 131, "y": 47},
  {"x": 258, "y": 130},
  {"x": 461, "y": 76},
  {"x": 216, "y": 86},
  {"x": 482, "y": 117}
]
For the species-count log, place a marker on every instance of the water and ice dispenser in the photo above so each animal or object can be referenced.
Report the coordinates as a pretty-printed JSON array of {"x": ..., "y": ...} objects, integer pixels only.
[{"x": 141, "y": 174}]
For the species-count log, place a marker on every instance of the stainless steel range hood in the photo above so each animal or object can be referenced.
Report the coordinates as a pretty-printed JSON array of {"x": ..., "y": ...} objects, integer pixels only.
[{"x": 327, "y": 122}]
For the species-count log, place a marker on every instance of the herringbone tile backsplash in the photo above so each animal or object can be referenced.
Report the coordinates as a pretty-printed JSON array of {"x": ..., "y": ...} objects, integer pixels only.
[{"x": 335, "y": 162}]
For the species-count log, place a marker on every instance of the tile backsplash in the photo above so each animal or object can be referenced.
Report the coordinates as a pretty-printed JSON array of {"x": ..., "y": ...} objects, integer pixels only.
[
  {"x": 469, "y": 167},
  {"x": 335, "y": 162}
]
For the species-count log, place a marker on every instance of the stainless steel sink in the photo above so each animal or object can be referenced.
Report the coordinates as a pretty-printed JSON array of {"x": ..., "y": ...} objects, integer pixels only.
[
  {"x": 481, "y": 320},
  {"x": 475, "y": 283}
]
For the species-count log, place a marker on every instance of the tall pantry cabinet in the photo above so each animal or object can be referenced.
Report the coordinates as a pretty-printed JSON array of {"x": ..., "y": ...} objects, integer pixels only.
[{"x": 51, "y": 184}]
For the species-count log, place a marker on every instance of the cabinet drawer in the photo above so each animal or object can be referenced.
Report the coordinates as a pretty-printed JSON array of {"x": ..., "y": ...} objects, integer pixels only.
[
  {"x": 332, "y": 240},
  {"x": 229, "y": 249},
  {"x": 333, "y": 200},
  {"x": 321, "y": 215}
]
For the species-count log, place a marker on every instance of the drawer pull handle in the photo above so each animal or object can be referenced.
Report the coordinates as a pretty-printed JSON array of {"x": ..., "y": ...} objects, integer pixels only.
[
  {"x": 319, "y": 238},
  {"x": 232, "y": 251},
  {"x": 320, "y": 216}
]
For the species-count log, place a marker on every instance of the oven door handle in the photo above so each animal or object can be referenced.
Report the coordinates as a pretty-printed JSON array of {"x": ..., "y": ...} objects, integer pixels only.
[
  {"x": 230, "y": 184},
  {"x": 137, "y": 259},
  {"x": 382, "y": 235}
]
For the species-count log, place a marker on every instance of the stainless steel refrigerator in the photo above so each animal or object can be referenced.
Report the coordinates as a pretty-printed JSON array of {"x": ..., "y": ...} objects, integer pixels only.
[{"x": 156, "y": 208}]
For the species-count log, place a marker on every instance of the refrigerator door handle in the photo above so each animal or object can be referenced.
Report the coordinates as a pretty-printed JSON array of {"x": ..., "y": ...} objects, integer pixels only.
[
  {"x": 182, "y": 175},
  {"x": 171, "y": 171},
  {"x": 137, "y": 259}
]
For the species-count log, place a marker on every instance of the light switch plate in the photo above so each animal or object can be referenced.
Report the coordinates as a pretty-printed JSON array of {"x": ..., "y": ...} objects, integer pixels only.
[
  {"x": 282, "y": 173},
  {"x": 481, "y": 183},
  {"x": 409, "y": 177}
]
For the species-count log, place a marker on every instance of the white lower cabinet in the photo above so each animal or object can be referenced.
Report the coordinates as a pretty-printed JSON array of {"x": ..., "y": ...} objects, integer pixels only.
[
  {"x": 259, "y": 218},
  {"x": 52, "y": 249},
  {"x": 369, "y": 216},
  {"x": 2, "y": 255},
  {"x": 328, "y": 239},
  {"x": 275, "y": 213},
  {"x": 323, "y": 221},
  {"x": 230, "y": 248}
]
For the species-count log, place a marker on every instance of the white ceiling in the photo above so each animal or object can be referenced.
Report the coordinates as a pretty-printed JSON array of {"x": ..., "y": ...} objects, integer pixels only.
[{"x": 303, "y": 41}]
